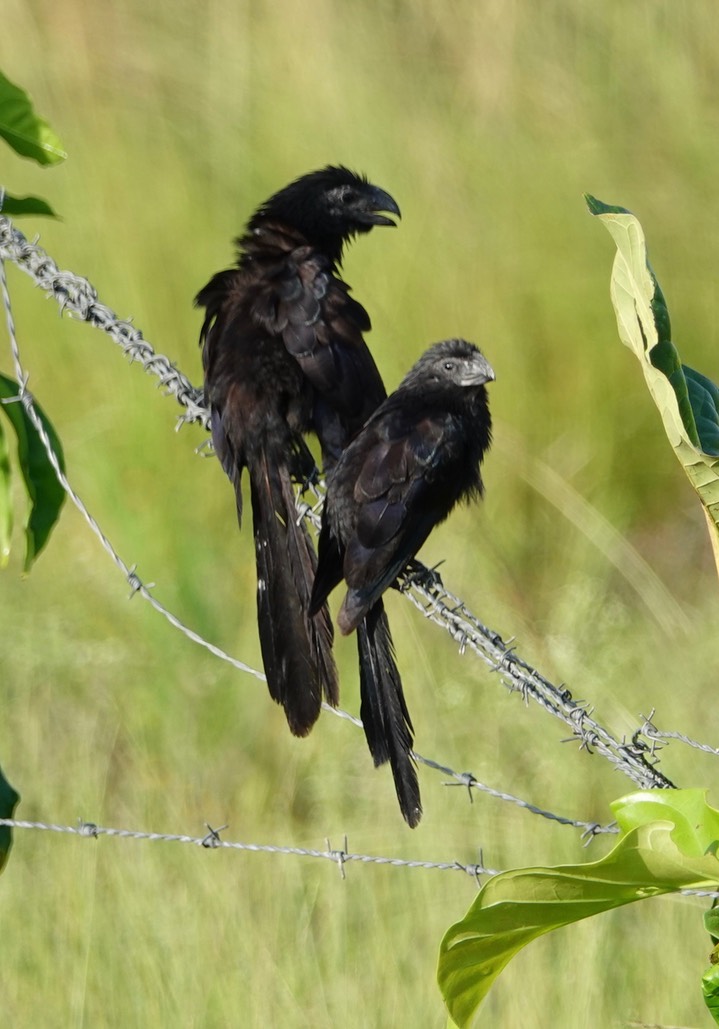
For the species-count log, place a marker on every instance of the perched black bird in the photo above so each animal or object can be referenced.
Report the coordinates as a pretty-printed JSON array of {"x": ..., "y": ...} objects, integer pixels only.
[
  {"x": 283, "y": 353},
  {"x": 416, "y": 457}
]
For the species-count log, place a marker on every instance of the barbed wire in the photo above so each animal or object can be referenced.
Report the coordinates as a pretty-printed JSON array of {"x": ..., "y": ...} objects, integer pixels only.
[
  {"x": 470, "y": 782},
  {"x": 136, "y": 585},
  {"x": 636, "y": 758},
  {"x": 78, "y": 297},
  {"x": 652, "y": 733},
  {"x": 213, "y": 841},
  {"x": 424, "y": 588}
]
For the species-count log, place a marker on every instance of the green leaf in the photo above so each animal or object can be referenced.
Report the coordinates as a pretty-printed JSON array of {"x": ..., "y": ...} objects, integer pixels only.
[
  {"x": 668, "y": 844},
  {"x": 26, "y": 132},
  {"x": 45, "y": 493},
  {"x": 711, "y": 922},
  {"x": 5, "y": 500},
  {"x": 26, "y": 205},
  {"x": 710, "y": 989},
  {"x": 8, "y": 800},
  {"x": 687, "y": 400},
  {"x": 704, "y": 400},
  {"x": 696, "y": 825}
]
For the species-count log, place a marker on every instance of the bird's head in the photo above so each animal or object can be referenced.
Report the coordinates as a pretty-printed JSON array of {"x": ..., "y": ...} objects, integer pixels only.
[
  {"x": 328, "y": 207},
  {"x": 453, "y": 362}
]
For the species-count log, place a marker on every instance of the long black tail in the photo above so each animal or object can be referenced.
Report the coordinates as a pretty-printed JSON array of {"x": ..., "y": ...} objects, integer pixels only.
[
  {"x": 385, "y": 717},
  {"x": 296, "y": 646}
]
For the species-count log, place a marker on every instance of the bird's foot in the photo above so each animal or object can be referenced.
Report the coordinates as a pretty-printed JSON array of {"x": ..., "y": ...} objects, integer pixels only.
[{"x": 417, "y": 574}]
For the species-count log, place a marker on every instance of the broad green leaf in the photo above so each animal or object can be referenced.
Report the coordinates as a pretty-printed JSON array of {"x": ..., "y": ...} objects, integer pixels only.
[
  {"x": 8, "y": 800},
  {"x": 687, "y": 400},
  {"x": 45, "y": 493},
  {"x": 672, "y": 851},
  {"x": 26, "y": 132},
  {"x": 711, "y": 922},
  {"x": 26, "y": 205},
  {"x": 696, "y": 825},
  {"x": 710, "y": 989},
  {"x": 5, "y": 500}
]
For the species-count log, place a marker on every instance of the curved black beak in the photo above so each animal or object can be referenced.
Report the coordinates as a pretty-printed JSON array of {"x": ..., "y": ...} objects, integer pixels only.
[{"x": 377, "y": 202}]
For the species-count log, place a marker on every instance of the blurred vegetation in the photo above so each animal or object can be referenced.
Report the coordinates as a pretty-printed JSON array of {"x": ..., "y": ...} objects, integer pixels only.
[{"x": 487, "y": 121}]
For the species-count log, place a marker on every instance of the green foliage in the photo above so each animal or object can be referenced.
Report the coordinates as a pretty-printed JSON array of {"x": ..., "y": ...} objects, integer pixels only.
[
  {"x": 5, "y": 499},
  {"x": 669, "y": 842},
  {"x": 710, "y": 979},
  {"x": 45, "y": 494},
  {"x": 687, "y": 400},
  {"x": 16, "y": 206},
  {"x": 8, "y": 799},
  {"x": 711, "y": 922},
  {"x": 26, "y": 132},
  {"x": 30, "y": 136},
  {"x": 710, "y": 990}
]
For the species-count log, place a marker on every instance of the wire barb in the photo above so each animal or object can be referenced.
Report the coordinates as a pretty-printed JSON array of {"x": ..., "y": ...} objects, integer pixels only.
[
  {"x": 212, "y": 840},
  {"x": 659, "y": 738},
  {"x": 340, "y": 856},
  {"x": 87, "y": 829}
]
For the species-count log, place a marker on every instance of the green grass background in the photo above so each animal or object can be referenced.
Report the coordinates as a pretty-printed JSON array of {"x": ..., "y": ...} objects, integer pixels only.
[{"x": 486, "y": 121}]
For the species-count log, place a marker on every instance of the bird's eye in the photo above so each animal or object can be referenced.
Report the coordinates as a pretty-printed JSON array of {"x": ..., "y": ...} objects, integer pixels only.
[
  {"x": 346, "y": 196},
  {"x": 449, "y": 366}
]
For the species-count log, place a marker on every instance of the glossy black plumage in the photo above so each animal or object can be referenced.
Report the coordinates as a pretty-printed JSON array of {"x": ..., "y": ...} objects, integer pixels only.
[
  {"x": 283, "y": 354},
  {"x": 417, "y": 456}
]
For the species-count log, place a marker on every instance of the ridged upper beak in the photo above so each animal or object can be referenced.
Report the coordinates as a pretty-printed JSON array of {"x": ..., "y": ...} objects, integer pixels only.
[
  {"x": 479, "y": 372},
  {"x": 378, "y": 201}
]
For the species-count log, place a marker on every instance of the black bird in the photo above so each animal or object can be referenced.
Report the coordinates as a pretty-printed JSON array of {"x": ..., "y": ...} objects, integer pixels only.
[
  {"x": 283, "y": 353},
  {"x": 417, "y": 456}
]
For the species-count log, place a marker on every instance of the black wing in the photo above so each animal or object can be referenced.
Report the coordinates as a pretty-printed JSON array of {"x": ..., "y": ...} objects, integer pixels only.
[
  {"x": 303, "y": 302},
  {"x": 397, "y": 504}
]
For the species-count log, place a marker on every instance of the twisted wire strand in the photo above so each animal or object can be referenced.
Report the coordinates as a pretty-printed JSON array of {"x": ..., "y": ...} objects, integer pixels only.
[{"x": 212, "y": 841}]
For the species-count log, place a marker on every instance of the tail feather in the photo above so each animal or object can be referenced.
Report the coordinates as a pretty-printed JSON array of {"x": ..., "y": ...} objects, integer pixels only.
[
  {"x": 384, "y": 713},
  {"x": 296, "y": 648},
  {"x": 318, "y": 624},
  {"x": 329, "y": 570}
]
